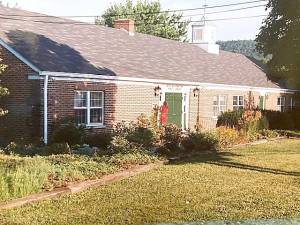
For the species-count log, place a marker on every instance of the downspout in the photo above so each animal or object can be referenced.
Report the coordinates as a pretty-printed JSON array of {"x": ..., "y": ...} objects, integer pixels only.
[{"x": 46, "y": 78}]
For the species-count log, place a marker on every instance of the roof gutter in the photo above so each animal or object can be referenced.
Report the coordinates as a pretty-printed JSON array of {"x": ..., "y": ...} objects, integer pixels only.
[{"x": 91, "y": 77}]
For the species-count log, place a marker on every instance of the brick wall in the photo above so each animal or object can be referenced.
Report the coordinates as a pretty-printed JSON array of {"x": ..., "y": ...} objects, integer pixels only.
[
  {"x": 22, "y": 123},
  {"x": 121, "y": 102}
]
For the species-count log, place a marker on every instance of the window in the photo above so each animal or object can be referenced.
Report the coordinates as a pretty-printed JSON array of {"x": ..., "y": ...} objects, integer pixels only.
[
  {"x": 281, "y": 103},
  {"x": 197, "y": 35},
  {"x": 219, "y": 104},
  {"x": 238, "y": 102},
  {"x": 89, "y": 107},
  {"x": 261, "y": 105},
  {"x": 292, "y": 104}
]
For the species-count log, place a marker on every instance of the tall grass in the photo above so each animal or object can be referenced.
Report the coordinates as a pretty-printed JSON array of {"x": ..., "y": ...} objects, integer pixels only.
[{"x": 22, "y": 176}]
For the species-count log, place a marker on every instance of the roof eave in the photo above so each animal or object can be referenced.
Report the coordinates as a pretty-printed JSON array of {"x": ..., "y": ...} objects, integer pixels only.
[{"x": 19, "y": 56}]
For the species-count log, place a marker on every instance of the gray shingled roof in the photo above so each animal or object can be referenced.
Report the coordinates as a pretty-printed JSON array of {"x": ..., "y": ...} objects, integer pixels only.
[{"x": 80, "y": 48}]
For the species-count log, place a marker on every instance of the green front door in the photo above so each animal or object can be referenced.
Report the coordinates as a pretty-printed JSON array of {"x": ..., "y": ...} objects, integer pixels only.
[{"x": 174, "y": 101}]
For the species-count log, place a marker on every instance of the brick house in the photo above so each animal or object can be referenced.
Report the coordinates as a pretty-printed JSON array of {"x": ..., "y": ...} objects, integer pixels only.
[{"x": 59, "y": 68}]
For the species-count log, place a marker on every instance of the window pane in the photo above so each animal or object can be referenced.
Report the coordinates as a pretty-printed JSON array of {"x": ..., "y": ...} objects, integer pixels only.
[
  {"x": 278, "y": 101},
  {"x": 81, "y": 116},
  {"x": 235, "y": 100},
  {"x": 216, "y": 110},
  {"x": 215, "y": 102},
  {"x": 80, "y": 99},
  {"x": 241, "y": 100},
  {"x": 96, "y": 116},
  {"x": 222, "y": 109},
  {"x": 96, "y": 99},
  {"x": 222, "y": 100}
]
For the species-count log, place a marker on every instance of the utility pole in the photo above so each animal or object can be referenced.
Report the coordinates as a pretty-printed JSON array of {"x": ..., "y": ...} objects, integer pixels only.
[{"x": 204, "y": 13}]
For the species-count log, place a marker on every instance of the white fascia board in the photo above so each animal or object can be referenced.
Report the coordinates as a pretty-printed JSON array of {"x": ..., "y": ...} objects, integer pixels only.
[
  {"x": 119, "y": 79},
  {"x": 19, "y": 56}
]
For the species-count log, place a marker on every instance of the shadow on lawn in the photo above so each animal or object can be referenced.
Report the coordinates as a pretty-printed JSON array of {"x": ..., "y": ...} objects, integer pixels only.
[{"x": 224, "y": 159}]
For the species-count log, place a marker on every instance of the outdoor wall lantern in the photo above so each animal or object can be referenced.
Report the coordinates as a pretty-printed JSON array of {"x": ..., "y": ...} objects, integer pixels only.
[
  {"x": 196, "y": 92},
  {"x": 157, "y": 91}
]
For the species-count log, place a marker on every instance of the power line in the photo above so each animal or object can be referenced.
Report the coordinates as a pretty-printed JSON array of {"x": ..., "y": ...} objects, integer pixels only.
[
  {"x": 189, "y": 9},
  {"x": 138, "y": 13},
  {"x": 85, "y": 24},
  {"x": 224, "y": 11}
]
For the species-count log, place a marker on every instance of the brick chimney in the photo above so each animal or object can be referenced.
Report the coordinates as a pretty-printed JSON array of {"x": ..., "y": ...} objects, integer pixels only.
[{"x": 125, "y": 24}]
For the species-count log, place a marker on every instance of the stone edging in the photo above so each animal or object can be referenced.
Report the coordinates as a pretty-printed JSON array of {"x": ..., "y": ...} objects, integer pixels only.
[{"x": 78, "y": 187}]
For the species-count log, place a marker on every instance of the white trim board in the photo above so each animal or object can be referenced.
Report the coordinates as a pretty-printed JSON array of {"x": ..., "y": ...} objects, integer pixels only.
[
  {"x": 19, "y": 56},
  {"x": 143, "y": 81}
]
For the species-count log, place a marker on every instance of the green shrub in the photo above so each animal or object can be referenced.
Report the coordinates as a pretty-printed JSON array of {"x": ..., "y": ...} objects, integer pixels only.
[
  {"x": 269, "y": 133},
  {"x": 22, "y": 150},
  {"x": 132, "y": 159},
  {"x": 289, "y": 133},
  {"x": 230, "y": 119},
  {"x": 250, "y": 131},
  {"x": 70, "y": 168},
  {"x": 121, "y": 145},
  {"x": 101, "y": 140},
  {"x": 197, "y": 142},
  {"x": 170, "y": 137},
  {"x": 56, "y": 149},
  {"x": 139, "y": 133},
  {"x": 141, "y": 136},
  {"x": 263, "y": 123},
  {"x": 67, "y": 132},
  {"x": 123, "y": 129},
  {"x": 281, "y": 120},
  {"x": 227, "y": 136}
]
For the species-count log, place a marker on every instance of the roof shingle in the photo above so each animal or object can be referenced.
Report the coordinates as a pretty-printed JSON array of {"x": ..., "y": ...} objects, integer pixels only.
[{"x": 60, "y": 45}]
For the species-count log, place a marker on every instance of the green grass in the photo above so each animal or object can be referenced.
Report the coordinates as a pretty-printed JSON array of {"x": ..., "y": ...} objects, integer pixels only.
[{"x": 257, "y": 182}]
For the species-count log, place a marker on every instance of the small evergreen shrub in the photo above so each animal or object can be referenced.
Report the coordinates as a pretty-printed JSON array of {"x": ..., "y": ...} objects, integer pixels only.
[
  {"x": 101, "y": 140},
  {"x": 230, "y": 119},
  {"x": 198, "y": 142},
  {"x": 66, "y": 131},
  {"x": 141, "y": 136},
  {"x": 56, "y": 149},
  {"x": 22, "y": 150},
  {"x": 121, "y": 145},
  {"x": 171, "y": 137}
]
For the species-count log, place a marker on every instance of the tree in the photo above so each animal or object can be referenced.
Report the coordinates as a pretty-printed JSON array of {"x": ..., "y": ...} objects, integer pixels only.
[
  {"x": 245, "y": 47},
  {"x": 280, "y": 37},
  {"x": 3, "y": 90},
  {"x": 148, "y": 19}
]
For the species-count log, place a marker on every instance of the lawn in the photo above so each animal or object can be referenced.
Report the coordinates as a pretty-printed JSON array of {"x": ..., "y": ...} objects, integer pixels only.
[{"x": 257, "y": 182}]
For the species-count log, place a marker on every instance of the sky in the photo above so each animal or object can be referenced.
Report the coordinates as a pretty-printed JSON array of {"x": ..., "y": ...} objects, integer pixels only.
[{"x": 226, "y": 30}]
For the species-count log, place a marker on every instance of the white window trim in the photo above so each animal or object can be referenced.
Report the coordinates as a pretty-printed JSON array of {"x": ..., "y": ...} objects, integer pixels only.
[
  {"x": 292, "y": 103},
  {"x": 238, "y": 101},
  {"x": 219, "y": 105},
  {"x": 282, "y": 103},
  {"x": 88, "y": 108}
]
